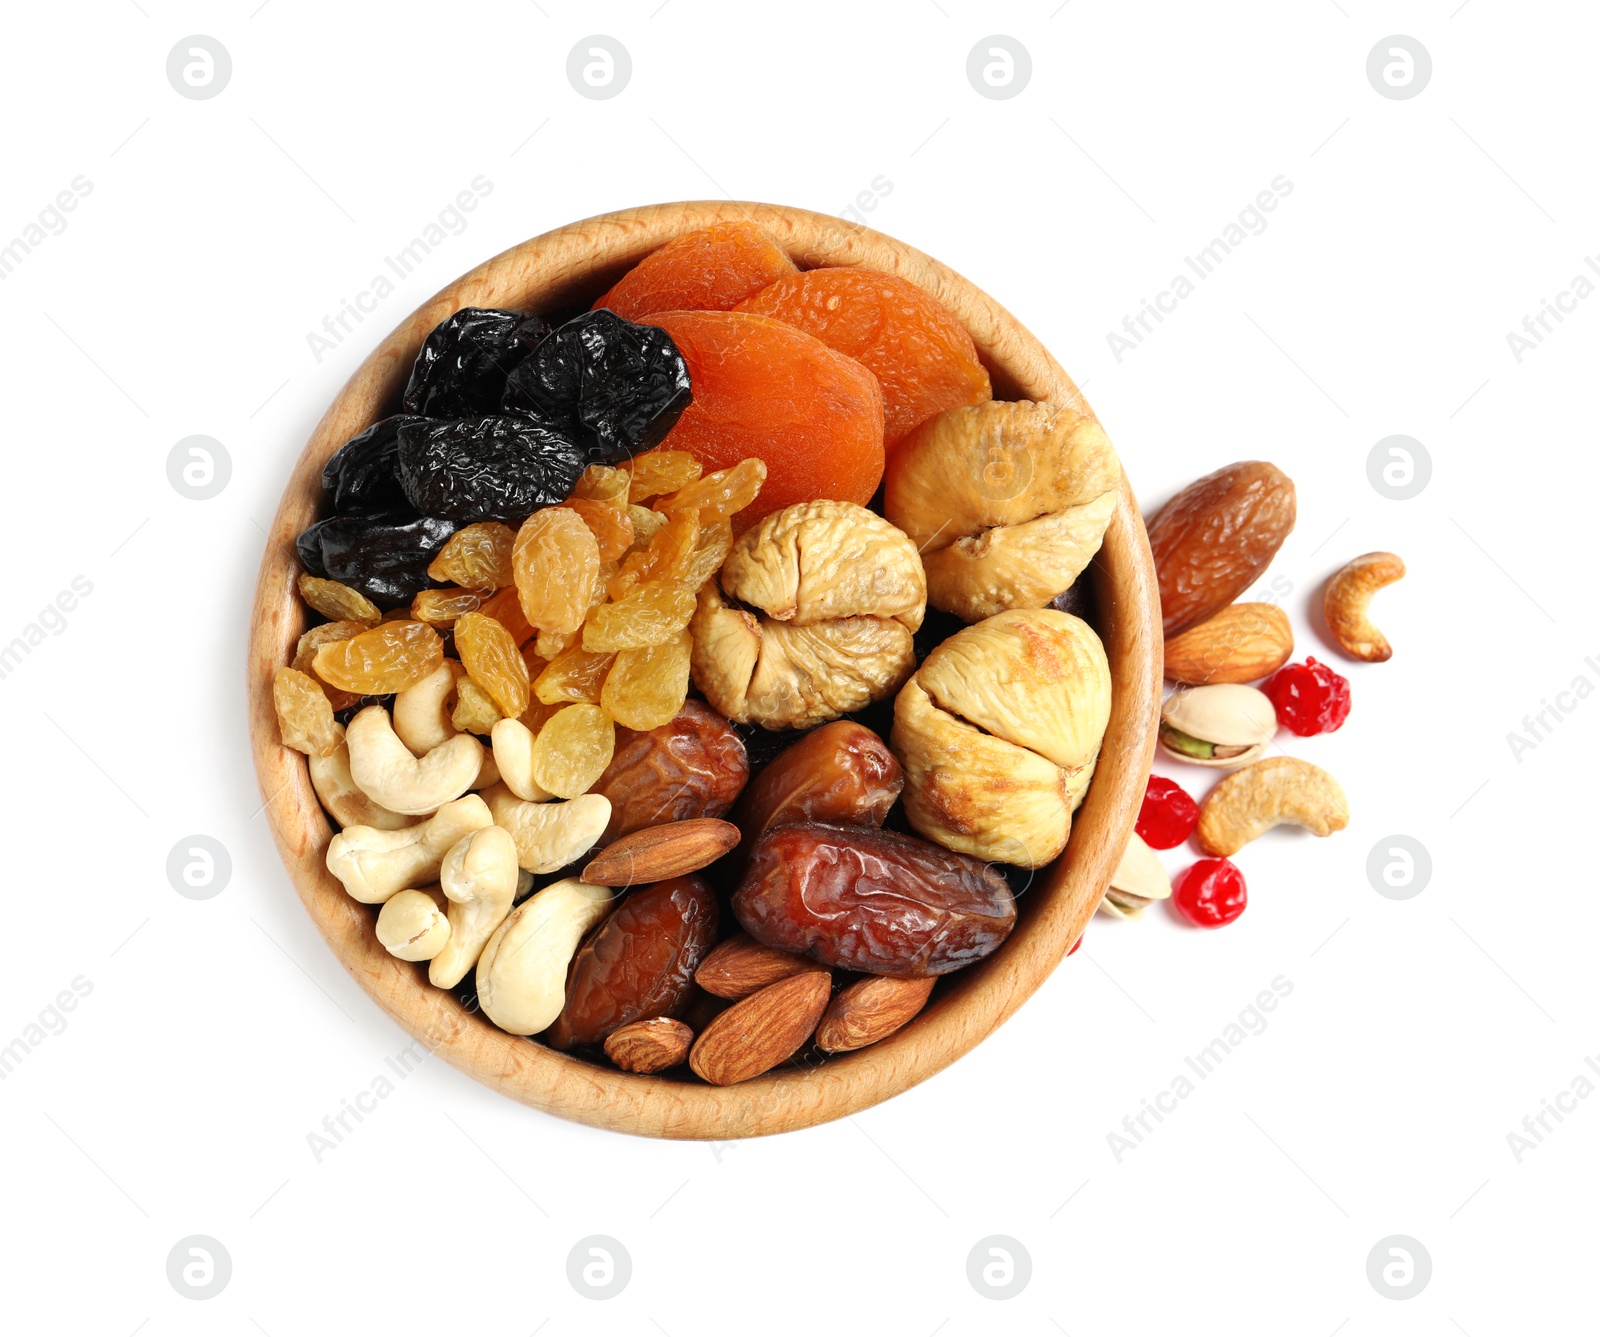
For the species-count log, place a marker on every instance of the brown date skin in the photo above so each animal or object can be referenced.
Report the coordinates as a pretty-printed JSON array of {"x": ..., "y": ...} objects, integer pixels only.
[
  {"x": 1214, "y": 538},
  {"x": 639, "y": 962},
  {"x": 692, "y": 766},
  {"x": 842, "y": 773},
  {"x": 874, "y": 901}
]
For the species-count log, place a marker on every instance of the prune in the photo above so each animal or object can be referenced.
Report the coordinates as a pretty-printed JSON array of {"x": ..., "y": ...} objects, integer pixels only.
[
  {"x": 639, "y": 963},
  {"x": 498, "y": 468},
  {"x": 873, "y": 901},
  {"x": 921, "y": 354},
  {"x": 462, "y": 368},
  {"x": 710, "y": 269},
  {"x": 384, "y": 555},
  {"x": 692, "y": 766},
  {"x": 766, "y": 389},
  {"x": 613, "y": 387},
  {"x": 363, "y": 477},
  {"x": 842, "y": 774}
]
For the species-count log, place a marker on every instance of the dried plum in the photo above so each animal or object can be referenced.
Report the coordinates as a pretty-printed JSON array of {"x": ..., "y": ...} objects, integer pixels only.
[
  {"x": 362, "y": 476},
  {"x": 493, "y": 468},
  {"x": 462, "y": 368},
  {"x": 614, "y": 387},
  {"x": 385, "y": 555}
]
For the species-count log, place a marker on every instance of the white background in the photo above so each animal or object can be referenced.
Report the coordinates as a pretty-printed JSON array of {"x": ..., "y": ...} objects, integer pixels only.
[{"x": 1419, "y": 1033}]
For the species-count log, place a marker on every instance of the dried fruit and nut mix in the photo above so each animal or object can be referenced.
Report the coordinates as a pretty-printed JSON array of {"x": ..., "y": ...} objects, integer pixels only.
[
  {"x": 637, "y": 725},
  {"x": 1211, "y": 542}
]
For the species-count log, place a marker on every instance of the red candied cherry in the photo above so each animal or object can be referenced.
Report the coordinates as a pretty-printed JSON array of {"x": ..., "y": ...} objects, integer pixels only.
[
  {"x": 1077, "y": 944},
  {"x": 1210, "y": 894},
  {"x": 1310, "y": 698},
  {"x": 1167, "y": 815}
]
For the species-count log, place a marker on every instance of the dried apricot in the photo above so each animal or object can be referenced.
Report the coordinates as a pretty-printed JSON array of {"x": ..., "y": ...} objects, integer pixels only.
[
  {"x": 475, "y": 710},
  {"x": 305, "y": 717},
  {"x": 477, "y": 557},
  {"x": 575, "y": 674},
  {"x": 492, "y": 660},
  {"x": 711, "y": 269},
  {"x": 766, "y": 389},
  {"x": 441, "y": 608},
  {"x": 609, "y": 523},
  {"x": 649, "y": 615},
  {"x": 601, "y": 482},
  {"x": 336, "y": 602},
  {"x": 923, "y": 357},
  {"x": 555, "y": 561},
  {"x": 661, "y": 471},
  {"x": 573, "y": 750},
  {"x": 647, "y": 686},
  {"x": 505, "y": 607},
  {"x": 389, "y": 658}
]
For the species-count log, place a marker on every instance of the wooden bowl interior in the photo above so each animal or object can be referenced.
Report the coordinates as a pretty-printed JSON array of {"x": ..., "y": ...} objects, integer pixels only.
[{"x": 568, "y": 269}]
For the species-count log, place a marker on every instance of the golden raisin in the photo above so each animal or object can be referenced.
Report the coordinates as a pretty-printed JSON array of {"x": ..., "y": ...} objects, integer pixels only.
[
  {"x": 600, "y": 482},
  {"x": 649, "y": 615},
  {"x": 477, "y": 557},
  {"x": 538, "y": 714},
  {"x": 556, "y": 560},
  {"x": 646, "y": 525},
  {"x": 710, "y": 551},
  {"x": 575, "y": 674},
  {"x": 720, "y": 495},
  {"x": 493, "y": 661},
  {"x": 572, "y": 750},
  {"x": 338, "y": 603},
  {"x": 389, "y": 658},
  {"x": 647, "y": 687},
  {"x": 305, "y": 653},
  {"x": 305, "y": 717},
  {"x": 610, "y": 525},
  {"x": 475, "y": 710},
  {"x": 659, "y": 471},
  {"x": 505, "y": 607},
  {"x": 441, "y": 608},
  {"x": 667, "y": 557}
]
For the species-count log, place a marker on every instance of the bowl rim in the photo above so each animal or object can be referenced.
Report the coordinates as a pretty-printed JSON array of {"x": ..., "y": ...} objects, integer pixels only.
[{"x": 548, "y": 271}]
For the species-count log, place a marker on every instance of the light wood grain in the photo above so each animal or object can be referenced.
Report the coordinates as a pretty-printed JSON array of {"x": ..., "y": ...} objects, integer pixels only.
[{"x": 572, "y": 266}]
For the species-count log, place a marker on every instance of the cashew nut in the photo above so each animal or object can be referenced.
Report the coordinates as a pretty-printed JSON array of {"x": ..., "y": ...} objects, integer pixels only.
[
  {"x": 344, "y": 801},
  {"x": 386, "y": 772},
  {"x": 522, "y": 973},
  {"x": 549, "y": 835},
  {"x": 1267, "y": 794},
  {"x": 513, "y": 756},
  {"x": 412, "y": 925},
  {"x": 375, "y": 864},
  {"x": 1344, "y": 605},
  {"x": 479, "y": 875},
  {"x": 419, "y": 714},
  {"x": 488, "y": 771}
]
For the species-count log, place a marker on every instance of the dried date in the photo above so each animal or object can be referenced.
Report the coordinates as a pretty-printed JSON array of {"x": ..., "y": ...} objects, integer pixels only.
[
  {"x": 874, "y": 901},
  {"x": 692, "y": 766},
  {"x": 491, "y": 468},
  {"x": 613, "y": 387},
  {"x": 639, "y": 962},
  {"x": 384, "y": 555},
  {"x": 842, "y": 773},
  {"x": 464, "y": 362}
]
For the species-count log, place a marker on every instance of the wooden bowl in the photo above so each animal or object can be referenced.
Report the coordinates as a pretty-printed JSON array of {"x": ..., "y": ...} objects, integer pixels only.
[{"x": 571, "y": 267}]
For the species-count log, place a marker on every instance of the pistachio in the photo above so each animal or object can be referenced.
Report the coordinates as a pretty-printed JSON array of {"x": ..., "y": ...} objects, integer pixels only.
[
  {"x": 1138, "y": 880},
  {"x": 1222, "y": 724}
]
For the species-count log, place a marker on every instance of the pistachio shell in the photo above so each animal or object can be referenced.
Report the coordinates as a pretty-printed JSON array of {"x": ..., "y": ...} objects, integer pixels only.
[
  {"x": 1217, "y": 763},
  {"x": 1138, "y": 880},
  {"x": 1225, "y": 712}
]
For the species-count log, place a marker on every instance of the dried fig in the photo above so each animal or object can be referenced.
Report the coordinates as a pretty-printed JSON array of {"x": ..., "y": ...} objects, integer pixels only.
[{"x": 1212, "y": 540}]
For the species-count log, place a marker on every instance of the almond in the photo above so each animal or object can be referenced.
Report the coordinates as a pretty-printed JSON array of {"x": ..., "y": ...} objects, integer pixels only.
[
  {"x": 741, "y": 965},
  {"x": 1243, "y": 642},
  {"x": 660, "y": 852},
  {"x": 762, "y": 1030},
  {"x": 652, "y": 1045},
  {"x": 869, "y": 1010}
]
